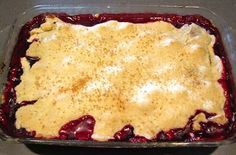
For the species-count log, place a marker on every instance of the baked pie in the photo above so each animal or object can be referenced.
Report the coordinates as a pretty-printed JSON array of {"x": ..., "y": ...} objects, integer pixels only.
[{"x": 119, "y": 77}]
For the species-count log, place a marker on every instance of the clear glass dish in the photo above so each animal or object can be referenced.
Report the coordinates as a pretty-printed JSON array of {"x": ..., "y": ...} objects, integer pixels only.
[{"x": 9, "y": 35}]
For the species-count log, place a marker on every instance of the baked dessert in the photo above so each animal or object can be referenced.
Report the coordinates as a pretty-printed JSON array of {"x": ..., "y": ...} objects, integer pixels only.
[{"x": 101, "y": 78}]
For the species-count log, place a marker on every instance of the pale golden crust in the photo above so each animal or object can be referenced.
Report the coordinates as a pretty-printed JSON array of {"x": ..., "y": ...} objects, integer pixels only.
[{"x": 152, "y": 76}]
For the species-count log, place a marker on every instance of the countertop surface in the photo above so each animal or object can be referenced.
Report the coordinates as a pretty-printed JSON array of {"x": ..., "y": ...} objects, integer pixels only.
[{"x": 9, "y": 9}]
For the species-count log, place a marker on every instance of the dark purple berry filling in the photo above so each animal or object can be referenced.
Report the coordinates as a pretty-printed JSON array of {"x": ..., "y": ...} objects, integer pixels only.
[
  {"x": 79, "y": 129},
  {"x": 125, "y": 133}
]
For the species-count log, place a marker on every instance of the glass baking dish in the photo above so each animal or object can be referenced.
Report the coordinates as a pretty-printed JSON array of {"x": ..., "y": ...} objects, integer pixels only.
[{"x": 10, "y": 34}]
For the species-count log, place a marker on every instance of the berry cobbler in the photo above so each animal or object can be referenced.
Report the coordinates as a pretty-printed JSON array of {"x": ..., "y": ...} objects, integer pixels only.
[{"x": 119, "y": 77}]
